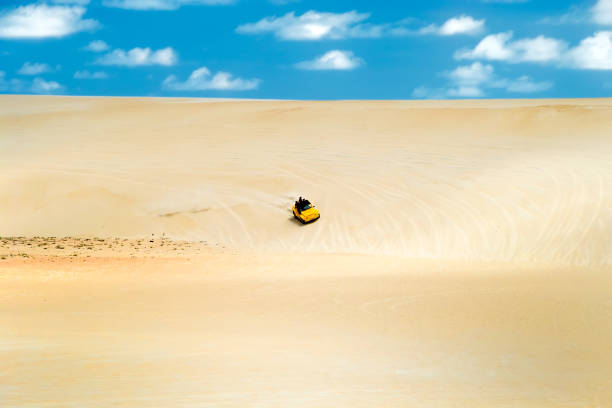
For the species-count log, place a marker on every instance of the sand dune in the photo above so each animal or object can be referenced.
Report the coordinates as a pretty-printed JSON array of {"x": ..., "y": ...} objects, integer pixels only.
[
  {"x": 462, "y": 258},
  {"x": 508, "y": 181}
]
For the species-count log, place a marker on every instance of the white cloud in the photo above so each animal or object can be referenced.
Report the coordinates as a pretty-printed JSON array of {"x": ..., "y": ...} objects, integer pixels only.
[
  {"x": 42, "y": 21},
  {"x": 161, "y": 4},
  {"x": 202, "y": 80},
  {"x": 314, "y": 25},
  {"x": 492, "y": 47},
  {"x": 455, "y": 26},
  {"x": 462, "y": 25},
  {"x": 471, "y": 75},
  {"x": 332, "y": 60},
  {"x": 538, "y": 49},
  {"x": 423, "y": 92},
  {"x": 139, "y": 57},
  {"x": 39, "y": 85},
  {"x": 474, "y": 81},
  {"x": 467, "y": 80},
  {"x": 97, "y": 46},
  {"x": 602, "y": 12},
  {"x": 85, "y": 74},
  {"x": 34, "y": 68},
  {"x": 499, "y": 47},
  {"x": 593, "y": 52}
]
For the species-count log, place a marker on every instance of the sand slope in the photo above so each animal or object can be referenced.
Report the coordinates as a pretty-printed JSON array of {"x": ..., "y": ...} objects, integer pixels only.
[
  {"x": 233, "y": 330},
  {"x": 462, "y": 258},
  {"x": 489, "y": 180}
]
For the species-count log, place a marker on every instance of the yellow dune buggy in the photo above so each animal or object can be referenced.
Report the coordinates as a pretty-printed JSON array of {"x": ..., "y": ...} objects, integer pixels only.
[{"x": 305, "y": 212}]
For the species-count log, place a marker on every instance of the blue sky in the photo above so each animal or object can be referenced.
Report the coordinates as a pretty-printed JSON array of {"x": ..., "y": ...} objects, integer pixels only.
[{"x": 308, "y": 49}]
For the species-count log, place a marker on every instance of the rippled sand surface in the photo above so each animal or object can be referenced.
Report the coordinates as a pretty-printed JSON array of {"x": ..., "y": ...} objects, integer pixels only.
[{"x": 462, "y": 258}]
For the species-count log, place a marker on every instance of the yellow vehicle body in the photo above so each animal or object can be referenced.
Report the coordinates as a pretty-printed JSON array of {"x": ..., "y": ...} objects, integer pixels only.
[{"x": 308, "y": 215}]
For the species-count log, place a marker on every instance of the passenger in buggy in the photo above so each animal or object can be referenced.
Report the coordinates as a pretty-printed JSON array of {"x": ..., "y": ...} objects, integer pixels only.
[{"x": 301, "y": 204}]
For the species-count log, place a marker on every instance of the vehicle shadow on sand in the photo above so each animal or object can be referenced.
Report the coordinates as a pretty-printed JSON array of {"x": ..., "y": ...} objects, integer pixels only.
[{"x": 295, "y": 221}]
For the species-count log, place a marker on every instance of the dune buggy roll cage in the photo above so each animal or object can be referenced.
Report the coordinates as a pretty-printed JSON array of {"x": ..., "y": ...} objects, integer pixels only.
[{"x": 302, "y": 205}]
